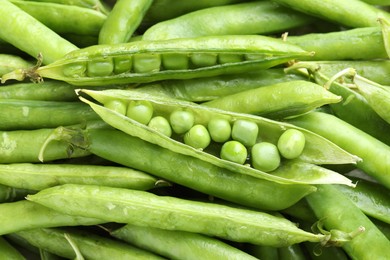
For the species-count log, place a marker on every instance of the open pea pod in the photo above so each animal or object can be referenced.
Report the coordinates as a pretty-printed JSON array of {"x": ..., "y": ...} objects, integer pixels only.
[
  {"x": 148, "y": 61},
  {"x": 317, "y": 150}
]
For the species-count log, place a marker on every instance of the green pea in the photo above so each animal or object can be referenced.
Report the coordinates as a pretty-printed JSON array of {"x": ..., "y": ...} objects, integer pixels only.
[
  {"x": 117, "y": 106},
  {"x": 173, "y": 61},
  {"x": 100, "y": 68},
  {"x": 234, "y": 151},
  {"x": 291, "y": 143},
  {"x": 181, "y": 121},
  {"x": 146, "y": 63},
  {"x": 265, "y": 156},
  {"x": 245, "y": 132},
  {"x": 229, "y": 58},
  {"x": 122, "y": 65},
  {"x": 197, "y": 137},
  {"x": 204, "y": 59},
  {"x": 161, "y": 125},
  {"x": 220, "y": 129},
  {"x": 74, "y": 70},
  {"x": 141, "y": 111}
]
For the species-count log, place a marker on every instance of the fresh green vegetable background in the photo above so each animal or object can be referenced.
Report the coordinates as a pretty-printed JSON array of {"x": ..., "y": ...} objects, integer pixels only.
[{"x": 207, "y": 129}]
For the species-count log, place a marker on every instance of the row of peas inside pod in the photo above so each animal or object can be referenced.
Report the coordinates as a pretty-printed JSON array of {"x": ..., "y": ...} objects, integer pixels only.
[{"x": 235, "y": 140}]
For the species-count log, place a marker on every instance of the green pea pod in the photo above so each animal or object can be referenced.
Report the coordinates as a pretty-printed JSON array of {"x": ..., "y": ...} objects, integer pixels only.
[
  {"x": 91, "y": 246},
  {"x": 187, "y": 245},
  {"x": 336, "y": 211},
  {"x": 210, "y": 88},
  {"x": 8, "y": 193},
  {"x": 33, "y": 114},
  {"x": 191, "y": 172},
  {"x": 374, "y": 153},
  {"x": 341, "y": 12},
  {"x": 354, "y": 108},
  {"x": 263, "y": 252},
  {"x": 293, "y": 252},
  {"x": 21, "y": 146},
  {"x": 22, "y": 215},
  {"x": 9, "y": 62},
  {"x": 64, "y": 18},
  {"x": 317, "y": 150},
  {"x": 7, "y": 251},
  {"x": 92, "y": 4},
  {"x": 373, "y": 199},
  {"x": 173, "y": 8},
  {"x": 354, "y": 44},
  {"x": 146, "y": 209},
  {"x": 377, "y": 96},
  {"x": 293, "y": 98},
  {"x": 41, "y": 176},
  {"x": 147, "y": 61},
  {"x": 256, "y": 17},
  {"x": 123, "y": 20}
]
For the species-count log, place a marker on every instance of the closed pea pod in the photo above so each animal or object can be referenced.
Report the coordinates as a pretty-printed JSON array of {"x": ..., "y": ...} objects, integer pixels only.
[
  {"x": 173, "y": 213},
  {"x": 11, "y": 32},
  {"x": 92, "y": 4},
  {"x": 10, "y": 62},
  {"x": 187, "y": 245},
  {"x": 41, "y": 176},
  {"x": 90, "y": 245},
  {"x": 8, "y": 193},
  {"x": 123, "y": 20},
  {"x": 147, "y": 58},
  {"x": 258, "y": 17},
  {"x": 303, "y": 96},
  {"x": 22, "y": 215}
]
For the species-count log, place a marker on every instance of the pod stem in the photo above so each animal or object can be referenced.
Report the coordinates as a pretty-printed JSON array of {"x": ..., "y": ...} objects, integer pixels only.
[
  {"x": 73, "y": 136},
  {"x": 336, "y": 237},
  {"x": 21, "y": 74},
  {"x": 74, "y": 246}
]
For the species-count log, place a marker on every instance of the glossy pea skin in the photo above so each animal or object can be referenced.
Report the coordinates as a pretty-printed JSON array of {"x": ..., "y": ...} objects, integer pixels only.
[
  {"x": 265, "y": 156},
  {"x": 234, "y": 151},
  {"x": 338, "y": 212},
  {"x": 258, "y": 17},
  {"x": 10, "y": 62},
  {"x": 22, "y": 215},
  {"x": 198, "y": 137},
  {"x": 291, "y": 143},
  {"x": 91, "y": 246},
  {"x": 181, "y": 121},
  {"x": 22, "y": 146},
  {"x": 117, "y": 106},
  {"x": 161, "y": 124},
  {"x": 220, "y": 129},
  {"x": 245, "y": 132},
  {"x": 375, "y": 154},
  {"x": 64, "y": 19},
  {"x": 122, "y": 21},
  {"x": 51, "y": 45},
  {"x": 187, "y": 245},
  {"x": 340, "y": 12},
  {"x": 147, "y": 209},
  {"x": 140, "y": 111}
]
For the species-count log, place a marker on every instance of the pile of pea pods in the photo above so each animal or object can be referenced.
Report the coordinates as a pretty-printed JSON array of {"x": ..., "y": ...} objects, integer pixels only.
[{"x": 197, "y": 129}]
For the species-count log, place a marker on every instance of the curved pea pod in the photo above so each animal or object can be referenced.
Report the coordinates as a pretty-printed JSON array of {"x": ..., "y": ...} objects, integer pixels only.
[
  {"x": 10, "y": 62},
  {"x": 277, "y": 101},
  {"x": 41, "y": 176},
  {"x": 372, "y": 198},
  {"x": 377, "y": 96},
  {"x": 91, "y": 246},
  {"x": 23, "y": 215},
  {"x": 146, "y": 209},
  {"x": 188, "y": 245},
  {"x": 147, "y": 61},
  {"x": 318, "y": 150},
  {"x": 210, "y": 88},
  {"x": 33, "y": 114}
]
